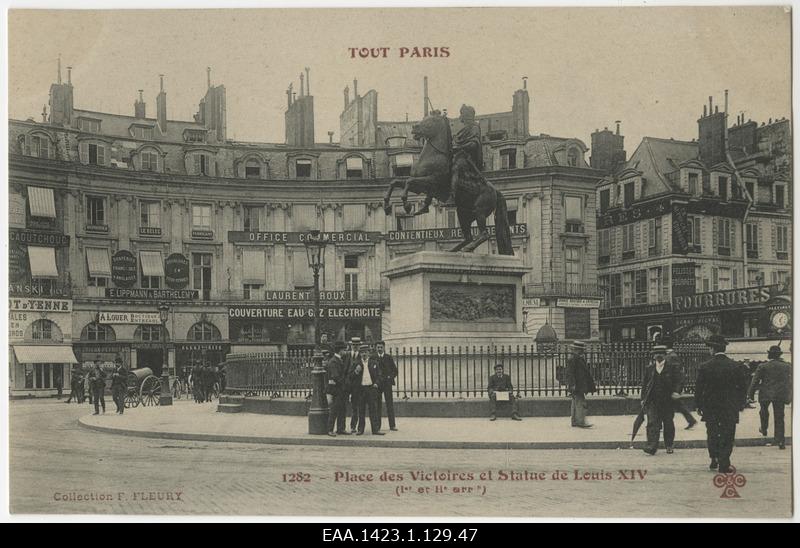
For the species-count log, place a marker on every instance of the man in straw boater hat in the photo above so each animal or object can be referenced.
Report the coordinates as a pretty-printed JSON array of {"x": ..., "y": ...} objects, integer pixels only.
[
  {"x": 659, "y": 388},
  {"x": 773, "y": 380},
  {"x": 579, "y": 383},
  {"x": 720, "y": 394}
]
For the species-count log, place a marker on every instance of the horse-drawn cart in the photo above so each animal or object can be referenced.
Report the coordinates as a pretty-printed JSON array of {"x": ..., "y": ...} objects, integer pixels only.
[{"x": 143, "y": 387}]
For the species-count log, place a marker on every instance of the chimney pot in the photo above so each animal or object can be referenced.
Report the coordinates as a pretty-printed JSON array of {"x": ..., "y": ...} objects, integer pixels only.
[
  {"x": 161, "y": 78},
  {"x": 330, "y": 137}
]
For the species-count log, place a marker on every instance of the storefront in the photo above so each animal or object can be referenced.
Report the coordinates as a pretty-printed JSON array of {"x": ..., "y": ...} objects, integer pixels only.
[
  {"x": 291, "y": 327},
  {"x": 41, "y": 356},
  {"x": 738, "y": 314}
]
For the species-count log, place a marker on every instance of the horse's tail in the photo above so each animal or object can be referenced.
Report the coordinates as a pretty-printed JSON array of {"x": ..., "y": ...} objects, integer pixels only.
[{"x": 502, "y": 230}]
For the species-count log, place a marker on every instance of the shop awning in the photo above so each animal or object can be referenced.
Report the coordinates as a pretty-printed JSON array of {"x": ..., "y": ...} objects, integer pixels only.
[
  {"x": 98, "y": 261},
  {"x": 43, "y": 262},
  {"x": 152, "y": 264},
  {"x": 42, "y": 202},
  {"x": 45, "y": 354},
  {"x": 254, "y": 269}
]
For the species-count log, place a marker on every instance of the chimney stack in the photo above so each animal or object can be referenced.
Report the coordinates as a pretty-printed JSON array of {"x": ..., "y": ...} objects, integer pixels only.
[
  {"x": 330, "y": 137},
  {"x": 69, "y": 76},
  {"x": 302, "y": 87},
  {"x": 308, "y": 82},
  {"x": 346, "y": 97},
  {"x": 524, "y": 82},
  {"x": 355, "y": 89},
  {"x": 618, "y": 122},
  {"x": 139, "y": 106},
  {"x": 59, "y": 69},
  {"x": 425, "y": 98},
  {"x": 161, "y": 106},
  {"x": 710, "y": 109},
  {"x": 208, "y": 76},
  {"x": 726, "y": 101}
]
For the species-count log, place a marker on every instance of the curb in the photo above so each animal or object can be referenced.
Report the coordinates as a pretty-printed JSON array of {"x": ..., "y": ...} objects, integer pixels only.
[{"x": 323, "y": 440}]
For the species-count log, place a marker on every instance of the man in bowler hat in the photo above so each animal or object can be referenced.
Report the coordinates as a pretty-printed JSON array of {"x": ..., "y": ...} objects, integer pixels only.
[
  {"x": 720, "y": 394},
  {"x": 659, "y": 388},
  {"x": 97, "y": 382},
  {"x": 773, "y": 380},
  {"x": 579, "y": 383}
]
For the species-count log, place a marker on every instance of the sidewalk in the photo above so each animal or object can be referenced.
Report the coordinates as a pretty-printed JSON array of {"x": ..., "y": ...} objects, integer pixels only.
[{"x": 190, "y": 421}]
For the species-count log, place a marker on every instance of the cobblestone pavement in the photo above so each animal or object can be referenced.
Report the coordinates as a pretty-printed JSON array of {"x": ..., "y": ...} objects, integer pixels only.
[{"x": 54, "y": 461}]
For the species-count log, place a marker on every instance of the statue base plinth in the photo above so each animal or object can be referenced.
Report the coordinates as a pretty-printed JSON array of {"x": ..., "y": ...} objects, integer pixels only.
[{"x": 455, "y": 299}]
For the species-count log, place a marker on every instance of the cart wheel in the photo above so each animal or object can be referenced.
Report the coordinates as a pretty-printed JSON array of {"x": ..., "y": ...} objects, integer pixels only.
[
  {"x": 150, "y": 391},
  {"x": 131, "y": 398}
]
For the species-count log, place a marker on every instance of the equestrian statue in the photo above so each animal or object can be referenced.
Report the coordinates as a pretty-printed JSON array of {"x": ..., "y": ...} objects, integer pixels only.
[{"x": 450, "y": 171}]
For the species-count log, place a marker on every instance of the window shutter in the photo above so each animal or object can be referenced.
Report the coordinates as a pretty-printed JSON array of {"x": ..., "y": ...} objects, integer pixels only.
[
  {"x": 733, "y": 238},
  {"x": 84, "y": 153},
  {"x": 26, "y": 140},
  {"x": 613, "y": 235},
  {"x": 714, "y": 279},
  {"x": 651, "y": 233},
  {"x": 101, "y": 155},
  {"x": 774, "y": 238},
  {"x": 735, "y": 277},
  {"x": 665, "y": 284},
  {"x": 715, "y": 233},
  {"x": 196, "y": 164}
]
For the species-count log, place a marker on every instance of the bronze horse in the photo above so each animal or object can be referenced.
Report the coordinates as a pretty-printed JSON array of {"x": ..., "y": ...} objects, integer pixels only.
[{"x": 475, "y": 197}]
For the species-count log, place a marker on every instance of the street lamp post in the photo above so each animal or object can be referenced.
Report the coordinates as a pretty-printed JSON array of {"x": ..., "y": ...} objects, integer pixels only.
[
  {"x": 318, "y": 411},
  {"x": 166, "y": 396}
]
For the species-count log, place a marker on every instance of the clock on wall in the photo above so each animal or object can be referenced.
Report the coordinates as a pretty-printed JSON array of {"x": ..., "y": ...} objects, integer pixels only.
[{"x": 780, "y": 319}]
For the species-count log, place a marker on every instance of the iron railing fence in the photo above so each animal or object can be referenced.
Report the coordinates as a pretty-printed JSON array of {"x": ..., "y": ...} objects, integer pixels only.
[{"x": 460, "y": 372}]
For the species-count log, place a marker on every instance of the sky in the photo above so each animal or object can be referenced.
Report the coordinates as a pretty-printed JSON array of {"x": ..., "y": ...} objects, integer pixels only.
[{"x": 651, "y": 68}]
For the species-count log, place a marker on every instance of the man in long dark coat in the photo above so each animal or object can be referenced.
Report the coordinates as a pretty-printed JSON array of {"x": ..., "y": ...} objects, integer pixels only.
[
  {"x": 388, "y": 372},
  {"x": 97, "y": 382},
  {"x": 773, "y": 380},
  {"x": 350, "y": 360},
  {"x": 336, "y": 391},
  {"x": 579, "y": 383},
  {"x": 365, "y": 379},
  {"x": 720, "y": 394},
  {"x": 659, "y": 387},
  {"x": 674, "y": 361},
  {"x": 119, "y": 385}
]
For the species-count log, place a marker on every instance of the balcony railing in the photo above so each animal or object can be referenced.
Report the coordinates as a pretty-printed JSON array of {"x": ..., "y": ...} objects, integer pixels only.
[{"x": 562, "y": 289}]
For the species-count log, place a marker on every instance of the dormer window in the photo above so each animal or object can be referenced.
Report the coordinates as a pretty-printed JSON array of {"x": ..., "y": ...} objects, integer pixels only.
[
  {"x": 303, "y": 168},
  {"x": 629, "y": 193},
  {"x": 572, "y": 157},
  {"x": 40, "y": 146},
  {"x": 355, "y": 168},
  {"x": 88, "y": 125},
  {"x": 722, "y": 184},
  {"x": 142, "y": 132},
  {"x": 402, "y": 165},
  {"x": 149, "y": 160},
  {"x": 508, "y": 158},
  {"x": 694, "y": 188}
]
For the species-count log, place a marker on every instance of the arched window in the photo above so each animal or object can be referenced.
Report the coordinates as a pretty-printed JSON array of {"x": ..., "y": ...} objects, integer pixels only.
[
  {"x": 204, "y": 331},
  {"x": 98, "y": 332},
  {"x": 44, "y": 330},
  {"x": 252, "y": 169},
  {"x": 151, "y": 333}
]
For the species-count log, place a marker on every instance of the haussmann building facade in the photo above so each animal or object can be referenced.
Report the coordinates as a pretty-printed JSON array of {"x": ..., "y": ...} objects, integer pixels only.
[{"x": 111, "y": 215}]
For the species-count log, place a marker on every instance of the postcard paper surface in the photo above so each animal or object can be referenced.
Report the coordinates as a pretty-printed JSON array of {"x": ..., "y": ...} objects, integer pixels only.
[{"x": 517, "y": 262}]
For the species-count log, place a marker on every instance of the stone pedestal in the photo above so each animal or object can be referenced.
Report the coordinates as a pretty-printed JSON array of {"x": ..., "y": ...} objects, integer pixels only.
[{"x": 456, "y": 299}]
